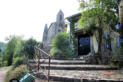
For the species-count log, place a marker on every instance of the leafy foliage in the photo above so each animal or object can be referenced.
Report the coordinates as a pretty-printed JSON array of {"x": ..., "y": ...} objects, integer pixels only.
[
  {"x": 29, "y": 48},
  {"x": 17, "y": 73},
  {"x": 103, "y": 13},
  {"x": 17, "y": 53},
  {"x": 9, "y": 52},
  {"x": 4, "y": 63},
  {"x": 19, "y": 61},
  {"x": 99, "y": 15},
  {"x": 55, "y": 51},
  {"x": 61, "y": 45},
  {"x": 18, "y": 48},
  {"x": 116, "y": 57}
]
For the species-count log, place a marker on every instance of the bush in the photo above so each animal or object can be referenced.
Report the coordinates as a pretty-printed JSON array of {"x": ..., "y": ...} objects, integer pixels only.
[
  {"x": 8, "y": 74},
  {"x": 19, "y": 61},
  {"x": 17, "y": 73},
  {"x": 116, "y": 58},
  {"x": 4, "y": 63},
  {"x": 54, "y": 51},
  {"x": 61, "y": 46}
]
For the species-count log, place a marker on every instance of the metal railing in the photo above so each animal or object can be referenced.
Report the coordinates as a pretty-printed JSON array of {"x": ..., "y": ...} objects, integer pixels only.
[
  {"x": 43, "y": 55},
  {"x": 40, "y": 58}
]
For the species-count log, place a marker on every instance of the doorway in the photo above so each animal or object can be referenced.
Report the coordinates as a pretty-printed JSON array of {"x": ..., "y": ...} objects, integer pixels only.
[{"x": 83, "y": 44}]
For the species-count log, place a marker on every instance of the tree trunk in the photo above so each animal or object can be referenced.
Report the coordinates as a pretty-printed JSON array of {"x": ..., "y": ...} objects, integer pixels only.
[{"x": 99, "y": 45}]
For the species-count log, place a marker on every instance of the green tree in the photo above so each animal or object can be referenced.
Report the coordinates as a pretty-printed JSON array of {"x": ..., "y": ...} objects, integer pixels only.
[
  {"x": 29, "y": 48},
  {"x": 13, "y": 49},
  {"x": 61, "y": 45},
  {"x": 18, "y": 51},
  {"x": 17, "y": 48},
  {"x": 99, "y": 14},
  {"x": 9, "y": 51},
  {"x": 120, "y": 3}
]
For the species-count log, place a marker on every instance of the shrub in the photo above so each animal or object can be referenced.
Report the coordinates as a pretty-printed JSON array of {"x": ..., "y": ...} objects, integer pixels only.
[
  {"x": 61, "y": 46},
  {"x": 116, "y": 58},
  {"x": 4, "y": 63},
  {"x": 8, "y": 74},
  {"x": 54, "y": 51},
  {"x": 17, "y": 73},
  {"x": 19, "y": 61}
]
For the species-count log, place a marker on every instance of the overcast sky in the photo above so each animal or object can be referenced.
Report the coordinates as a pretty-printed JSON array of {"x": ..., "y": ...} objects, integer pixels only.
[{"x": 28, "y": 17}]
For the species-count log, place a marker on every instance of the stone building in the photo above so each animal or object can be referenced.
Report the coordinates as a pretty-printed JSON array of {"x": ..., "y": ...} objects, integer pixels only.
[
  {"x": 85, "y": 42},
  {"x": 55, "y": 27}
]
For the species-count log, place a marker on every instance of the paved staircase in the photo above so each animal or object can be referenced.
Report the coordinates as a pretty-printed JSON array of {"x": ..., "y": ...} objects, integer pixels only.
[{"x": 77, "y": 70}]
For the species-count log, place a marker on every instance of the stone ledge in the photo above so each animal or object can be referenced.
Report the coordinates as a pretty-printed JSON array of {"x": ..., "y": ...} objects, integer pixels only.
[{"x": 67, "y": 79}]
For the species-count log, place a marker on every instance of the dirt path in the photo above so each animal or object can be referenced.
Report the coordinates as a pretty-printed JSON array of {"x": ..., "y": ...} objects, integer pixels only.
[{"x": 3, "y": 71}]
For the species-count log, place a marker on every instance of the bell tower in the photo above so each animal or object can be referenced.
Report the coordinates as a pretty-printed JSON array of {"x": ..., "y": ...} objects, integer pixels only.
[{"x": 60, "y": 21}]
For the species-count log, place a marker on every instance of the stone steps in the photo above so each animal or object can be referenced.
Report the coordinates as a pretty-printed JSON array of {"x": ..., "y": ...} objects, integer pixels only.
[
  {"x": 83, "y": 76},
  {"x": 77, "y": 71},
  {"x": 74, "y": 66},
  {"x": 46, "y": 61},
  {"x": 63, "y": 63},
  {"x": 69, "y": 76}
]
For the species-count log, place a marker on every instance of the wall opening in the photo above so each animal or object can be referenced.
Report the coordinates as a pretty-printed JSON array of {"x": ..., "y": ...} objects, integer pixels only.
[{"x": 83, "y": 44}]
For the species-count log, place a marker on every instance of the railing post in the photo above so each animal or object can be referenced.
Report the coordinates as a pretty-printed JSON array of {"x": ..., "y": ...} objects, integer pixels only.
[
  {"x": 38, "y": 60},
  {"x": 41, "y": 52},
  {"x": 49, "y": 69}
]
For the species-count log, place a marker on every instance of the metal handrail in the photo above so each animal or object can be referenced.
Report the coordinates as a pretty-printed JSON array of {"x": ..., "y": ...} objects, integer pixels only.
[
  {"x": 49, "y": 57},
  {"x": 43, "y": 51}
]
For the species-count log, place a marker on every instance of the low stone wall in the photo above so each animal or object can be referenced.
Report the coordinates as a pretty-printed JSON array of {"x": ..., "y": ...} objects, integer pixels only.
[{"x": 90, "y": 59}]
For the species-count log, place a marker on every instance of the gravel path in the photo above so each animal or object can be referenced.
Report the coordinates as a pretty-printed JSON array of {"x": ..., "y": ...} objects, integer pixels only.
[{"x": 3, "y": 71}]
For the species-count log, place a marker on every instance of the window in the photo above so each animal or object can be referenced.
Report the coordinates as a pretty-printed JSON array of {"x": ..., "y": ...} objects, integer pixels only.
[
  {"x": 60, "y": 17},
  {"x": 60, "y": 25},
  {"x": 59, "y": 30}
]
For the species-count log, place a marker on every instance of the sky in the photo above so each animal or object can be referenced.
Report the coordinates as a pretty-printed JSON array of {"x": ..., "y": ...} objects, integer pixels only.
[{"x": 27, "y": 18}]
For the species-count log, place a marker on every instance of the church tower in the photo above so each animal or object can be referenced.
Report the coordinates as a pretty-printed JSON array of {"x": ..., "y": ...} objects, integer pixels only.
[
  {"x": 55, "y": 27},
  {"x": 60, "y": 24}
]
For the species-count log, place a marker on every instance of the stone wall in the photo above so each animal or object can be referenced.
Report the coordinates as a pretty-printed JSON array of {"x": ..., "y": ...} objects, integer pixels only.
[{"x": 51, "y": 34}]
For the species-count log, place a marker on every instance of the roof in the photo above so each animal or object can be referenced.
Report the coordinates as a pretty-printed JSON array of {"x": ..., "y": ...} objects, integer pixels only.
[
  {"x": 74, "y": 17},
  {"x": 60, "y": 11},
  {"x": 80, "y": 31},
  {"x": 53, "y": 23}
]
